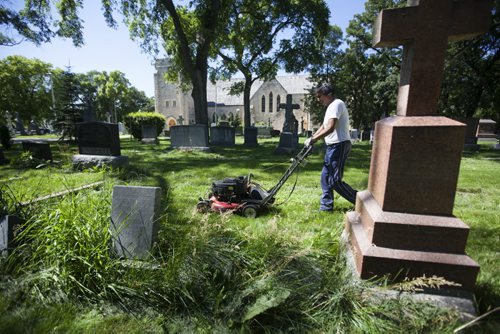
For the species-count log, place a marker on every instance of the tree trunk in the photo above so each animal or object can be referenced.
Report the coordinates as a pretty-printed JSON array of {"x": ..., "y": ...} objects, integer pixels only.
[
  {"x": 199, "y": 95},
  {"x": 246, "y": 102}
]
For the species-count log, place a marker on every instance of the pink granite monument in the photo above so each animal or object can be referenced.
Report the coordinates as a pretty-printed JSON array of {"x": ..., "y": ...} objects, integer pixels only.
[{"x": 403, "y": 224}]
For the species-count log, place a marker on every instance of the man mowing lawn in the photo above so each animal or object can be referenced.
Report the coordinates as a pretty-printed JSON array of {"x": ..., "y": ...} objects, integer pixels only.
[{"x": 335, "y": 131}]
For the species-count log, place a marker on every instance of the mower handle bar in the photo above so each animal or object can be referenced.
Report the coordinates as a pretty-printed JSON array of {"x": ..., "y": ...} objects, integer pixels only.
[{"x": 306, "y": 150}]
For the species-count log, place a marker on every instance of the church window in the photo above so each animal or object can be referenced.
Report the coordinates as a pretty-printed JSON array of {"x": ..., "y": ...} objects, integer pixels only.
[
  {"x": 174, "y": 103},
  {"x": 167, "y": 103},
  {"x": 263, "y": 103},
  {"x": 278, "y": 102},
  {"x": 271, "y": 102}
]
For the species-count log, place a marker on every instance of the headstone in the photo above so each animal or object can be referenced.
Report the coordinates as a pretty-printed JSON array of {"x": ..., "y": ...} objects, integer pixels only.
[
  {"x": 20, "y": 126},
  {"x": 134, "y": 220},
  {"x": 487, "y": 129},
  {"x": 471, "y": 129},
  {"x": 149, "y": 134},
  {"x": 354, "y": 135},
  {"x": 403, "y": 224},
  {"x": 250, "y": 136},
  {"x": 193, "y": 136},
  {"x": 122, "y": 129},
  {"x": 33, "y": 128},
  {"x": 264, "y": 131},
  {"x": 38, "y": 149},
  {"x": 9, "y": 226},
  {"x": 222, "y": 136},
  {"x": 289, "y": 137},
  {"x": 98, "y": 145},
  {"x": 98, "y": 138}
]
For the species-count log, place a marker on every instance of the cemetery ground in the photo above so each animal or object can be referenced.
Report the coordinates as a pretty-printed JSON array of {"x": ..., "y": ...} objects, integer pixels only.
[{"x": 284, "y": 271}]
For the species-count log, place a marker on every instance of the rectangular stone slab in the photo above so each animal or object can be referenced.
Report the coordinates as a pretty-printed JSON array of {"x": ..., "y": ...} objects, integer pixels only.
[{"x": 134, "y": 224}]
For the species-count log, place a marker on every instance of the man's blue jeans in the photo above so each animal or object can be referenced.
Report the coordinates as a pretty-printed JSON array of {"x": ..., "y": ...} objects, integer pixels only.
[{"x": 332, "y": 173}]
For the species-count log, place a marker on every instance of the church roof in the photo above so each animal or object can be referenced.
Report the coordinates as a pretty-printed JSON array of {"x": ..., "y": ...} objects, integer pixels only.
[{"x": 293, "y": 84}]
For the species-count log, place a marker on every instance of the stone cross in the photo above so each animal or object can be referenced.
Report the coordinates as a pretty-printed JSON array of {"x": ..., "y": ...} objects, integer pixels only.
[
  {"x": 290, "y": 120},
  {"x": 180, "y": 120},
  {"x": 424, "y": 29}
]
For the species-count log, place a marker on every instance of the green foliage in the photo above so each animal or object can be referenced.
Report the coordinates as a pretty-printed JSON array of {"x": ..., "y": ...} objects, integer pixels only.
[
  {"x": 68, "y": 107},
  {"x": 135, "y": 120},
  {"x": 24, "y": 88}
]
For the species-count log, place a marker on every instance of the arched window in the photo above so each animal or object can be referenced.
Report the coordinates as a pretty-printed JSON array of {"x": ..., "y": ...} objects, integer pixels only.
[
  {"x": 278, "y": 102},
  {"x": 271, "y": 102},
  {"x": 263, "y": 103}
]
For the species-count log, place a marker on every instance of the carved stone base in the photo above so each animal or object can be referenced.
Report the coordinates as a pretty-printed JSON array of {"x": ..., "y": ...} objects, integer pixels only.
[{"x": 408, "y": 245}]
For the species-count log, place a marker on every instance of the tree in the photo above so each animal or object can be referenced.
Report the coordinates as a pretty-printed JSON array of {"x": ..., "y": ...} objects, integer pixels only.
[
  {"x": 34, "y": 22},
  {"x": 368, "y": 76},
  {"x": 249, "y": 41},
  {"x": 25, "y": 88},
  {"x": 472, "y": 72},
  {"x": 68, "y": 106}
]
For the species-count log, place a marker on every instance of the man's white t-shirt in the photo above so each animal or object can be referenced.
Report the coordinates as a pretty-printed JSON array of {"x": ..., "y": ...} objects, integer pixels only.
[{"x": 338, "y": 110}]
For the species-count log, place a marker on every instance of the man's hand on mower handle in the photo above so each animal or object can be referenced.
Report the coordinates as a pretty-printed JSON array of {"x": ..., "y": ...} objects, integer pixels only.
[{"x": 309, "y": 142}]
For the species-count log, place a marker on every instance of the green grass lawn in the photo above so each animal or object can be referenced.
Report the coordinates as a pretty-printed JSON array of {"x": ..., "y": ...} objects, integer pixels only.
[{"x": 283, "y": 271}]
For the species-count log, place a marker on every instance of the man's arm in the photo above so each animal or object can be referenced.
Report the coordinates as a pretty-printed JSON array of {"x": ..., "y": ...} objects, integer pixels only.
[{"x": 323, "y": 131}]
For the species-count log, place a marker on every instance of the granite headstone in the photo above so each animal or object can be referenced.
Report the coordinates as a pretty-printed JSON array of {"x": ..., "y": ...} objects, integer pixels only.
[{"x": 134, "y": 214}]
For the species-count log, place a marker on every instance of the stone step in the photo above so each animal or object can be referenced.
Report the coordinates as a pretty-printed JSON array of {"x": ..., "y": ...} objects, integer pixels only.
[
  {"x": 374, "y": 261},
  {"x": 428, "y": 233}
]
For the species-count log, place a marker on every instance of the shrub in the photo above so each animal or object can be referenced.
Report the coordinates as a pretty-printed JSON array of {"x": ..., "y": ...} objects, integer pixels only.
[{"x": 134, "y": 122}]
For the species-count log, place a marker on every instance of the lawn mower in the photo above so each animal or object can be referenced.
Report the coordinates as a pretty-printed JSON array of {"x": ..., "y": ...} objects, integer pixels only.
[{"x": 243, "y": 196}]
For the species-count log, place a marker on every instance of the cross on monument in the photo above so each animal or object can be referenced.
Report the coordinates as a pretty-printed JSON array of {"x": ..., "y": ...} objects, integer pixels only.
[
  {"x": 290, "y": 120},
  {"x": 424, "y": 29}
]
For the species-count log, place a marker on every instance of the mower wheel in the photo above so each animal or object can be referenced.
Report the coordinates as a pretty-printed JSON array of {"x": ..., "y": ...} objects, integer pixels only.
[
  {"x": 250, "y": 211},
  {"x": 203, "y": 206}
]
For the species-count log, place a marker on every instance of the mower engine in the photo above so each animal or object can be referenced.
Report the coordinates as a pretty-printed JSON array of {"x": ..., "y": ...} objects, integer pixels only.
[{"x": 235, "y": 194}]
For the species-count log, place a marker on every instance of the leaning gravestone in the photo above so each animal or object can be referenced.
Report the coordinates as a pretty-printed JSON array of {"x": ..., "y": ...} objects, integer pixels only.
[
  {"x": 289, "y": 137},
  {"x": 134, "y": 215},
  {"x": 193, "y": 136},
  {"x": 403, "y": 225},
  {"x": 222, "y": 136},
  {"x": 98, "y": 145},
  {"x": 149, "y": 134},
  {"x": 38, "y": 149},
  {"x": 9, "y": 225}
]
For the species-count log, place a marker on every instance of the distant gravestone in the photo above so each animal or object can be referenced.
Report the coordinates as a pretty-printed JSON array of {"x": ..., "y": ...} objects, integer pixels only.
[
  {"x": 9, "y": 225},
  {"x": 38, "y": 149},
  {"x": 222, "y": 136},
  {"x": 20, "y": 126},
  {"x": 250, "y": 136},
  {"x": 193, "y": 136},
  {"x": 149, "y": 134},
  {"x": 134, "y": 224},
  {"x": 289, "y": 137},
  {"x": 487, "y": 129},
  {"x": 98, "y": 145}
]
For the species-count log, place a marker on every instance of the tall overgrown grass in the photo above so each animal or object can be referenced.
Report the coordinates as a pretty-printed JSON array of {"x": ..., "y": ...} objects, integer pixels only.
[{"x": 284, "y": 271}]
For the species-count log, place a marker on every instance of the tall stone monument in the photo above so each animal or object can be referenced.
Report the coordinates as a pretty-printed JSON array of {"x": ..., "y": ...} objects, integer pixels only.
[
  {"x": 403, "y": 224},
  {"x": 289, "y": 137}
]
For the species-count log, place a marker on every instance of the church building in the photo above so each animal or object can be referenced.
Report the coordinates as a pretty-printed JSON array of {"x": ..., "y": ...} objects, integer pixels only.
[{"x": 265, "y": 97}]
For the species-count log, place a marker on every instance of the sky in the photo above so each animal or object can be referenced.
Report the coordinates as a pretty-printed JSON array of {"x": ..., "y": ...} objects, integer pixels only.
[{"x": 108, "y": 50}]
